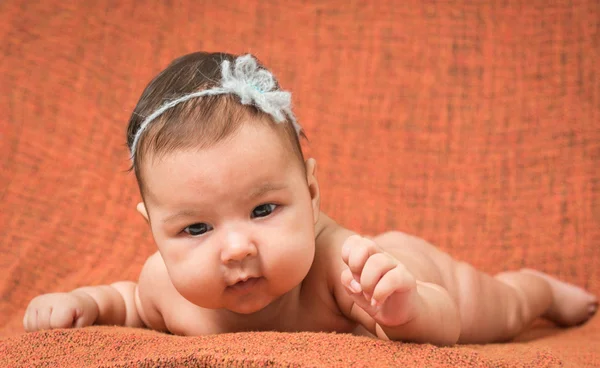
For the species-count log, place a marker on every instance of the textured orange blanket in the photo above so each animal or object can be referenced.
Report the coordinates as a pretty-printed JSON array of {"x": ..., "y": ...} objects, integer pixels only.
[
  {"x": 122, "y": 347},
  {"x": 474, "y": 125}
]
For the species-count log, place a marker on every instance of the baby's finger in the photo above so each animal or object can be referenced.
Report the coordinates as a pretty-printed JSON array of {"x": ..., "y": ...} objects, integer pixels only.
[
  {"x": 62, "y": 318},
  {"x": 353, "y": 289},
  {"x": 32, "y": 320},
  {"x": 26, "y": 318},
  {"x": 376, "y": 266},
  {"x": 396, "y": 280},
  {"x": 361, "y": 249},
  {"x": 83, "y": 319},
  {"x": 348, "y": 245},
  {"x": 349, "y": 282},
  {"x": 43, "y": 318},
  {"x": 360, "y": 300}
]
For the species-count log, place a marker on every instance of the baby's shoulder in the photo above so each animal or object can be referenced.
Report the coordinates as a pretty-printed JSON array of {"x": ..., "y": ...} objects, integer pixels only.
[
  {"x": 330, "y": 237},
  {"x": 153, "y": 287},
  {"x": 328, "y": 250},
  {"x": 154, "y": 278}
]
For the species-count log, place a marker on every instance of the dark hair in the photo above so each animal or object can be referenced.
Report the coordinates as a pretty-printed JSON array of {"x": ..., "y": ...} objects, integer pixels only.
[{"x": 198, "y": 122}]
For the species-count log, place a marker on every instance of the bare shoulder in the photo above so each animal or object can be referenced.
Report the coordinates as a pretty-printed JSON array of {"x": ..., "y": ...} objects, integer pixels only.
[
  {"x": 328, "y": 259},
  {"x": 329, "y": 242},
  {"x": 150, "y": 291}
]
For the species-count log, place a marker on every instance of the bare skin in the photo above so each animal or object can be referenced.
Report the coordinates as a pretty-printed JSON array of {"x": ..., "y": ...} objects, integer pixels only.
[{"x": 244, "y": 252}]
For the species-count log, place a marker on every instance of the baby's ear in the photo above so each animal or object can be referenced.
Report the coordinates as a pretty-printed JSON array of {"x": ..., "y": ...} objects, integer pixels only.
[
  {"x": 141, "y": 208},
  {"x": 313, "y": 186}
]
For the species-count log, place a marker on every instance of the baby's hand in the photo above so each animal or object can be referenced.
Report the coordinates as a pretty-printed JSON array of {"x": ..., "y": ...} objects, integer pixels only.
[
  {"x": 378, "y": 282},
  {"x": 60, "y": 310}
]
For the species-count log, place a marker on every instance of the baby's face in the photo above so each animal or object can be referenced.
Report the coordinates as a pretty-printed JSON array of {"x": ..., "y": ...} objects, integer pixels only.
[{"x": 243, "y": 209}]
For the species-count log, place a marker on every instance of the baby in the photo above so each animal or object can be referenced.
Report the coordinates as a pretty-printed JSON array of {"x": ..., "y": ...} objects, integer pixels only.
[{"x": 233, "y": 207}]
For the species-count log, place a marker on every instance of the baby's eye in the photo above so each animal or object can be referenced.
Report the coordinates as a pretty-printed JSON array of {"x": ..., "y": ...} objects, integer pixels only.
[
  {"x": 263, "y": 210},
  {"x": 197, "y": 229}
]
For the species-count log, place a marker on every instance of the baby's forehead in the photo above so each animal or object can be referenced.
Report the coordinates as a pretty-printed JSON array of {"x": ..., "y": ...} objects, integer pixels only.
[
  {"x": 217, "y": 191},
  {"x": 241, "y": 163}
]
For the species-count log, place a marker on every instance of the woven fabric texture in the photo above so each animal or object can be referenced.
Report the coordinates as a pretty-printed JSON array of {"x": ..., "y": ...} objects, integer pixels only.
[{"x": 474, "y": 125}]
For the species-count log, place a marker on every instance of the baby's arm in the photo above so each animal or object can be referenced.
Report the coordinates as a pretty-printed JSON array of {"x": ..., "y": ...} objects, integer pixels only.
[
  {"x": 116, "y": 303},
  {"x": 386, "y": 298},
  {"x": 121, "y": 303},
  {"x": 102, "y": 305}
]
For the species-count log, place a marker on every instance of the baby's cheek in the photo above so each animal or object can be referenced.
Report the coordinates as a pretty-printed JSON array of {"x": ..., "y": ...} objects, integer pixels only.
[
  {"x": 193, "y": 281},
  {"x": 291, "y": 258}
]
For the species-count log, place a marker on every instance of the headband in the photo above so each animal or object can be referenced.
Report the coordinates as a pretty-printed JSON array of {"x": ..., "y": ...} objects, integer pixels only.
[{"x": 252, "y": 84}]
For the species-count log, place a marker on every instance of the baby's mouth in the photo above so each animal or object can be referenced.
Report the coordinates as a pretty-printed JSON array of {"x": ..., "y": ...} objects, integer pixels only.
[{"x": 244, "y": 286}]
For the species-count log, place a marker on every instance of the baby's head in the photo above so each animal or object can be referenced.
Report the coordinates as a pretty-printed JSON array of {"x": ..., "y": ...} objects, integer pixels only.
[
  {"x": 226, "y": 189},
  {"x": 200, "y": 122}
]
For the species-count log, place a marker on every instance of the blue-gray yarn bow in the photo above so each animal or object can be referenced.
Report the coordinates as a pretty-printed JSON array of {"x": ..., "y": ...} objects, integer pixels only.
[{"x": 256, "y": 86}]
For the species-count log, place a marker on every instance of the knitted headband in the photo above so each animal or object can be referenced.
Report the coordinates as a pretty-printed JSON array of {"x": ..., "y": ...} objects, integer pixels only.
[{"x": 254, "y": 85}]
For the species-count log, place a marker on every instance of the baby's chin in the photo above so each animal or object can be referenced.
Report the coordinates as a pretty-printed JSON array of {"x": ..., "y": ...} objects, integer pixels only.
[
  {"x": 252, "y": 305},
  {"x": 247, "y": 309},
  {"x": 260, "y": 304}
]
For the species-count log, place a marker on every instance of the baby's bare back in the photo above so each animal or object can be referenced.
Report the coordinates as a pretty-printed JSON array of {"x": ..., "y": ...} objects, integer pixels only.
[{"x": 491, "y": 308}]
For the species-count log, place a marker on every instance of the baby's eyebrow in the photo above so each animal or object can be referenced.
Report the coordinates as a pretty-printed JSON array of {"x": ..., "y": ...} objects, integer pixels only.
[
  {"x": 265, "y": 188},
  {"x": 255, "y": 192},
  {"x": 184, "y": 213}
]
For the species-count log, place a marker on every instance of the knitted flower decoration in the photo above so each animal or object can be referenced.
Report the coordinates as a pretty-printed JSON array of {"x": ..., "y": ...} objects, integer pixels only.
[{"x": 252, "y": 84}]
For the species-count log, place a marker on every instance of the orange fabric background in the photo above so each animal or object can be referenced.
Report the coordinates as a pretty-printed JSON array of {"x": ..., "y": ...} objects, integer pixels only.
[{"x": 473, "y": 125}]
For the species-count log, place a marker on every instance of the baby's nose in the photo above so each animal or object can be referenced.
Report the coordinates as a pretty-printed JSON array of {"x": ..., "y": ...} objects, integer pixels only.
[{"x": 237, "y": 247}]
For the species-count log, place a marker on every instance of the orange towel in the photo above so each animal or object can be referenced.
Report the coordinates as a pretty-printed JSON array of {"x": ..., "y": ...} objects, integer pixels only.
[{"x": 123, "y": 347}]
